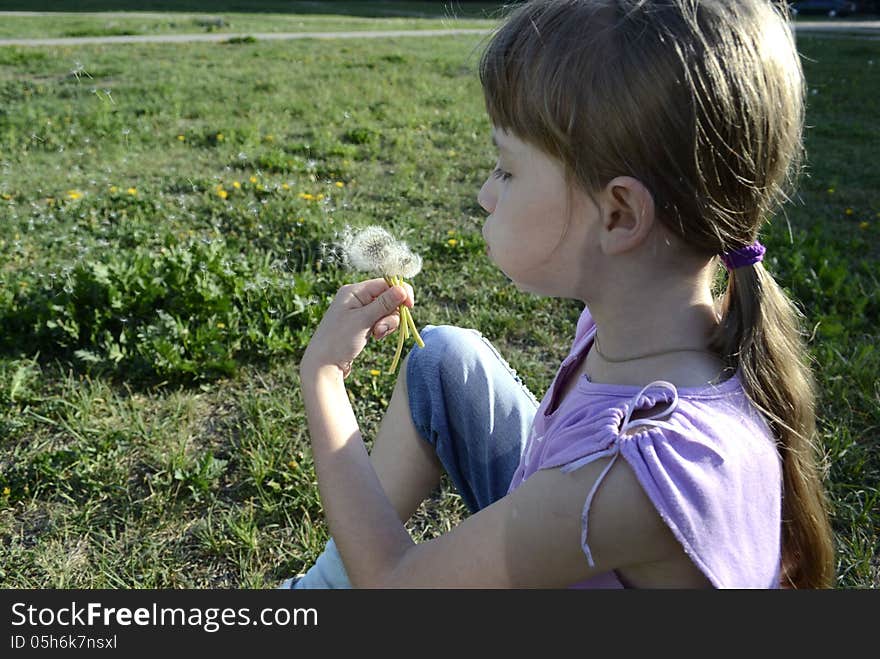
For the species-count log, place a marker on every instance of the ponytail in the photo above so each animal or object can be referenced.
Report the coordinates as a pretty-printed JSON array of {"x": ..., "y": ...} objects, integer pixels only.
[{"x": 759, "y": 333}]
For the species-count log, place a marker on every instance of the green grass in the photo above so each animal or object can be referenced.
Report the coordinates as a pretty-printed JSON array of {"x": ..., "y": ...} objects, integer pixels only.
[
  {"x": 147, "y": 449},
  {"x": 373, "y": 8},
  {"x": 20, "y": 27},
  {"x": 236, "y": 18}
]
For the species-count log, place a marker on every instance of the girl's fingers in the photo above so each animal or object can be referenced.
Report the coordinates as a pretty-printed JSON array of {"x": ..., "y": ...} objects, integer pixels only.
[
  {"x": 411, "y": 296},
  {"x": 385, "y": 326}
]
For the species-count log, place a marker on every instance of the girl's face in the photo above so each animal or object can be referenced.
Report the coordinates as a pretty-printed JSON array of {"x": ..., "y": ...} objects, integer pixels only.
[{"x": 528, "y": 233}]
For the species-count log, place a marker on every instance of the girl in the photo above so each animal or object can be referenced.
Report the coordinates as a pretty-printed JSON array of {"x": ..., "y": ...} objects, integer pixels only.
[{"x": 638, "y": 141}]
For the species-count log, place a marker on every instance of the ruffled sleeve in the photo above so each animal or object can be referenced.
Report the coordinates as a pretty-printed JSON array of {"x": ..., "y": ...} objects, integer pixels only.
[{"x": 710, "y": 470}]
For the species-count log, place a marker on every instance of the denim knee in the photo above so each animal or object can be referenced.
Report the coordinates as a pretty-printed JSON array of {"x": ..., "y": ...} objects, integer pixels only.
[
  {"x": 443, "y": 366},
  {"x": 468, "y": 403}
]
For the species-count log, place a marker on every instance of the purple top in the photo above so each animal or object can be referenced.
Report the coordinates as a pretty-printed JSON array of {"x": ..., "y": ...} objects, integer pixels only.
[{"x": 710, "y": 467}]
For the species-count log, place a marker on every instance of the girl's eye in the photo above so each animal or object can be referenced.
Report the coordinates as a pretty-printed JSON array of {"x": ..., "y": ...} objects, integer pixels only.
[{"x": 501, "y": 174}]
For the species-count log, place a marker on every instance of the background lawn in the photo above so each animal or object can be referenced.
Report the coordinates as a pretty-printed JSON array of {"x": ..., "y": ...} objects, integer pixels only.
[{"x": 167, "y": 211}]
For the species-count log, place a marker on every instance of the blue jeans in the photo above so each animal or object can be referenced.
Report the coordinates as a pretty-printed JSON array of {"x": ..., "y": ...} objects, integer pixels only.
[{"x": 473, "y": 409}]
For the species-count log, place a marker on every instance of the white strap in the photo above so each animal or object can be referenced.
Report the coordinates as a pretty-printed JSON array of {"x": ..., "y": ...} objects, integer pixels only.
[
  {"x": 650, "y": 420},
  {"x": 614, "y": 450},
  {"x": 585, "y": 520}
]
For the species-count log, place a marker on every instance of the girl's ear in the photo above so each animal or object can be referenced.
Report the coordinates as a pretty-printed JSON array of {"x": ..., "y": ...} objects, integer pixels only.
[{"x": 627, "y": 215}]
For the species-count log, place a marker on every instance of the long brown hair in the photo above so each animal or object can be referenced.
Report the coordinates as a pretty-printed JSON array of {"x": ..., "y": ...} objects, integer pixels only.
[{"x": 703, "y": 102}]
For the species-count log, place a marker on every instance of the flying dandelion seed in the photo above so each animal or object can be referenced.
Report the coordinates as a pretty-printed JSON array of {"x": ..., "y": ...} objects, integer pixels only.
[{"x": 79, "y": 70}]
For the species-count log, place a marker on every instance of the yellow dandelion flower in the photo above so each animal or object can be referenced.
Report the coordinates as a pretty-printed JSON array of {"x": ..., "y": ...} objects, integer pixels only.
[
  {"x": 375, "y": 373},
  {"x": 306, "y": 196},
  {"x": 220, "y": 137},
  {"x": 452, "y": 242},
  {"x": 253, "y": 179},
  {"x": 292, "y": 464},
  {"x": 7, "y": 197},
  {"x": 863, "y": 225},
  {"x": 320, "y": 196},
  {"x": 132, "y": 191},
  {"x": 848, "y": 211},
  {"x": 6, "y": 491},
  {"x": 222, "y": 194},
  {"x": 339, "y": 184},
  {"x": 236, "y": 185},
  {"x": 181, "y": 138},
  {"x": 74, "y": 194},
  {"x": 113, "y": 189},
  {"x": 221, "y": 326},
  {"x": 285, "y": 186}
]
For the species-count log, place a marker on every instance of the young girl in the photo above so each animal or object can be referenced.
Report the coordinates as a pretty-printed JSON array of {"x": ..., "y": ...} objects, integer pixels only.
[{"x": 638, "y": 141}]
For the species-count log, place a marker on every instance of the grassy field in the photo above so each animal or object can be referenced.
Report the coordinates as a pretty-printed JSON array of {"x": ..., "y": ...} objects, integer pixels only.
[
  {"x": 18, "y": 27},
  {"x": 65, "y": 18},
  {"x": 166, "y": 211},
  {"x": 70, "y": 19}
]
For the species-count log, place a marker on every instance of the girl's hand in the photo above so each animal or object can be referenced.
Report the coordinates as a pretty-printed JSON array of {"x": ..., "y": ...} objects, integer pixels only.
[{"x": 357, "y": 311}]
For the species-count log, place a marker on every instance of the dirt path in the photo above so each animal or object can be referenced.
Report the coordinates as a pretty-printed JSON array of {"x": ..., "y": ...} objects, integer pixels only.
[
  {"x": 856, "y": 28},
  {"x": 260, "y": 36}
]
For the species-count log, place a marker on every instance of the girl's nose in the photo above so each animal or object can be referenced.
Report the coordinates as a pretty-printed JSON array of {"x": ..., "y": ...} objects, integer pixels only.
[{"x": 486, "y": 197}]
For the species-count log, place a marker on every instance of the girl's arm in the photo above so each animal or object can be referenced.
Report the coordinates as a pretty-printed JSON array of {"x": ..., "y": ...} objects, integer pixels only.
[
  {"x": 530, "y": 538},
  {"x": 364, "y": 524}
]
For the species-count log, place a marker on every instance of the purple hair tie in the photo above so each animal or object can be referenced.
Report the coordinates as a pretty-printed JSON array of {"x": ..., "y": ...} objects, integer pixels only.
[{"x": 748, "y": 255}]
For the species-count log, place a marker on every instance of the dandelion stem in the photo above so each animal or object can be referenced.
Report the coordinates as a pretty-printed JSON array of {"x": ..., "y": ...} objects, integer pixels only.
[
  {"x": 400, "y": 336},
  {"x": 411, "y": 324},
  {"x": 405, "y": 315},
  {"x": 397, "y": 353}
]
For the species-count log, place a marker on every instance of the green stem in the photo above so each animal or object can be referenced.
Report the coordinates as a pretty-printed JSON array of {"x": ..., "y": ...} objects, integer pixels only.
[
  {"x": 400, "y": 337},
  {"x": 411, "y": 324},
  {"x": 397, "y": 352},
  {"x": 407, "y": 325}
]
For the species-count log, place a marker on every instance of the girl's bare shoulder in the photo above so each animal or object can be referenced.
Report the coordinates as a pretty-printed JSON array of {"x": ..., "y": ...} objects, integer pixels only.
[{"x": 532, "y": 538}]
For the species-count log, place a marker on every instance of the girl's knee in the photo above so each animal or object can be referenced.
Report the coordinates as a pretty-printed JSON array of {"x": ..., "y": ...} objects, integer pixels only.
[
  {"x": 447, "y": 349},
  {"x": 439, "y": 374}
]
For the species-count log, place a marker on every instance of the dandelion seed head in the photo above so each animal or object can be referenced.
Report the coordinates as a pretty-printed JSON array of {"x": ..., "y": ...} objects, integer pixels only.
[
  {"x": 366, "y": 249},
  {"x": 374, "y": 250},
  {"x": 403, "y": 261}
]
